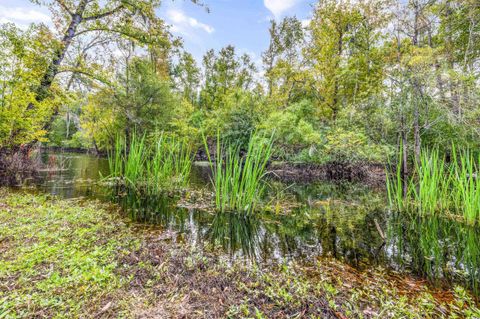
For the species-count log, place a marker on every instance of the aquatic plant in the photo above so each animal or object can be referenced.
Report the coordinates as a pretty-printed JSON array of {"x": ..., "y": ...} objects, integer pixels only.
[
  {"x": 171, "y": 162},
  {"x": 466, "y": 185},
  {"x": 439, "y": 187},
  {"x": 135, "y": 160},
  {"x": 115, "y": 157},
  {"x": 239, "y": 180},
  {"x": 150, "y": 167}
]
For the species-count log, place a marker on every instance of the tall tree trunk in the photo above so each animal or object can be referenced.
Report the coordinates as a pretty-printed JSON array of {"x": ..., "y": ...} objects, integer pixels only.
[
  {"x": 416, "y": 134},
  {"x": 404, "y": 151},
  {"x": 336, "y": 100},
  {"x": 440, "y": 83},
  {"x": 52, "y": 70}
]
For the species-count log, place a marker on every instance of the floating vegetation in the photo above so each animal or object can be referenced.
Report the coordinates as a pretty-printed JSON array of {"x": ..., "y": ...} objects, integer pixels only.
[
  {"x": 439, "y": 187},
  {"x": 238, "y": 179},
  {"x": 150, "y": 167}
]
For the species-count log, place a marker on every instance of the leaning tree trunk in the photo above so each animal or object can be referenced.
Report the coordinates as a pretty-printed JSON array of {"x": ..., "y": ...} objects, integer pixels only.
[{"x": 52, "y": 70}]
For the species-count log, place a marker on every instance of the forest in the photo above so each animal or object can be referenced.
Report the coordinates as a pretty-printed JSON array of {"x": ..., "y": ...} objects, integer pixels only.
[{"x": 357, "y": 132}]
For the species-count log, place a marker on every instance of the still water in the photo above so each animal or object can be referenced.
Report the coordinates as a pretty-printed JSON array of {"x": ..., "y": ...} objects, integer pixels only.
[{"x": 350, "y": 222}]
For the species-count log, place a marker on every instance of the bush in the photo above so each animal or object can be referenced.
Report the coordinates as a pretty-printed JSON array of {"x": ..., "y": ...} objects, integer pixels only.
[
  {"x": 351, "y": 146},
  {"x": 294, "y": 129}
]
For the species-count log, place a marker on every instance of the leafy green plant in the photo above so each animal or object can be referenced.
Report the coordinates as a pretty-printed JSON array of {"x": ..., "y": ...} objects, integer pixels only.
[{"x": 171, "y": 161}]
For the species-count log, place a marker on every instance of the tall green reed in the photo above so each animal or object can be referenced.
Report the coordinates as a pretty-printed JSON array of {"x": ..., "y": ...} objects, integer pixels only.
[
  {"x": 134, "y": 160},
  {"x": 171, "y": 162},
  {"x": 466, "y": 185},
  {"x": 437, "y": 187},
  {"x": 239, "y": 180},
  {"x": 151, "y": 167}
]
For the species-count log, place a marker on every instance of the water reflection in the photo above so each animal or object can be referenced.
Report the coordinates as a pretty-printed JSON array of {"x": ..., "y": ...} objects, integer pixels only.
[
  {"x": 436, "y": 248},
  {"x": 344, "y": 221},
  {"x": 70, "y": 175},
  {"x": 334, "y": 229}
]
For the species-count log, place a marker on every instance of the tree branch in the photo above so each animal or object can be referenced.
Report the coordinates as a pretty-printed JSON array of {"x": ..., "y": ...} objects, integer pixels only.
[
  {"x": 64, "y": 6},
  {"x": 88, "y": 74},
  {"x": 120, "y": 32},
  {"x": 104, "y": 14}
]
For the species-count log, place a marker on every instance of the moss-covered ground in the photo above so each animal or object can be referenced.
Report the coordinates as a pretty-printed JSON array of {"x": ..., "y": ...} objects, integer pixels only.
[{"x": 82, "y": 259}]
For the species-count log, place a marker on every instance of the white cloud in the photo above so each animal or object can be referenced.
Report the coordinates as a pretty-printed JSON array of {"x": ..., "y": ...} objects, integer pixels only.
[
  {"x": 278, "y": 7},
  {"x": 22, "y": 15},
  {"x": 306, "y": 22},
  {"x": 181, "y": 23}
]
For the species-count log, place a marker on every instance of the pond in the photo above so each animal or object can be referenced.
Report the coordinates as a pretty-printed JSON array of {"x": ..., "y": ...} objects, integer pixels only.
[{"x": 350, "y": 222}]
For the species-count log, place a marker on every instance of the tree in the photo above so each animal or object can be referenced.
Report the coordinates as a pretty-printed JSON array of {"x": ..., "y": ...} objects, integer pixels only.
[
  {"x": 343, "y": 50},
  {"x": 284, "y": 66},
  {"x": 23, "y": 58},
  {"x": 141, "y": 101},
  {"x": 224, "y": 74},
  {"x": 186, "y": 75},
  {"x": 77, "y": 19}
]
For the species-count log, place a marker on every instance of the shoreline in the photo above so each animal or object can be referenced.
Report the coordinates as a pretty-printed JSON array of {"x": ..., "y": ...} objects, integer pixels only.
[{"x": 63, "y": 249}]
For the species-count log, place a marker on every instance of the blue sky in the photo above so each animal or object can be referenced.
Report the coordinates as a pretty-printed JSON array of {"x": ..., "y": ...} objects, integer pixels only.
[{"x": 243, "y": 23}]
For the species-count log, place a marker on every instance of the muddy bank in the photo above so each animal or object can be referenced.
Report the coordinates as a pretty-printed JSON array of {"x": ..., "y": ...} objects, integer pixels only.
[
  {"x": 78, "y": 150},
  {"x": 372, "y": 174}
]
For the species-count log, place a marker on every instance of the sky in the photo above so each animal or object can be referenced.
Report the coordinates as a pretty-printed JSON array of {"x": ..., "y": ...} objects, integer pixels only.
[{"x": 243, "y": 23}]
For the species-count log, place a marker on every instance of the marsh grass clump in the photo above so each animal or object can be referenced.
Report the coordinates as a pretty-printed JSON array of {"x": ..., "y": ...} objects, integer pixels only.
[
  {"x": 438, "y": 187},
  {"x": 150, "y": 166},
  {"x": 239, "y": 180}
]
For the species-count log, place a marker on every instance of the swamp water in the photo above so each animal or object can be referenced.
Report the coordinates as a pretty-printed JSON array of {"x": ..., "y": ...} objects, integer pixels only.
[{"x": 350, "y": 222}]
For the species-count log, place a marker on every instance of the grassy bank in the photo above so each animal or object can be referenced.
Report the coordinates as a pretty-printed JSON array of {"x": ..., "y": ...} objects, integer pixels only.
[{"x": 81, "y": 259}]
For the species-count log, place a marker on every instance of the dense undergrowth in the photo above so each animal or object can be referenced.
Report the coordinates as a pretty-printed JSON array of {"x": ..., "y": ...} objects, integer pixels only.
[{"x": 64, "y": 258}]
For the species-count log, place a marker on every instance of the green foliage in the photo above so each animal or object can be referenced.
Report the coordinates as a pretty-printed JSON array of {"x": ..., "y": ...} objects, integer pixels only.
[
  {"x": 58, "y": 132},
  {"x": 23, "y": 58},
  {"x": 142, "y": 101},
  {"x": 438, "y": 187},
  {"x": 341, "y": 88},
  {"x": 294, "y": 128},
  {"x": 351, "y": 147},
  {"x": 300, "y": 137},
  {"x": 61, "y": 256},
  {"x": 151, "y": 165},
  {"x": 225, "y": 74},
  {"x": 239, "y": 180}
]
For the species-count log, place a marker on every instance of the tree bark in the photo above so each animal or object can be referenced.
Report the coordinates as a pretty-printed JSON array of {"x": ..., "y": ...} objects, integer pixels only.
[{"x": 52, "y": 70}]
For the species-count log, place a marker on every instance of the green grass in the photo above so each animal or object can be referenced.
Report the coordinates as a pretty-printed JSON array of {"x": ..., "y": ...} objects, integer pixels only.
[
  {"x": 79, "y": 259},
  {"x": 239, "y": 181},
  {"x": 439, "y": 188},
  {"x": 151, "y": 166},
  {"x": 59, "y": 258}
]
